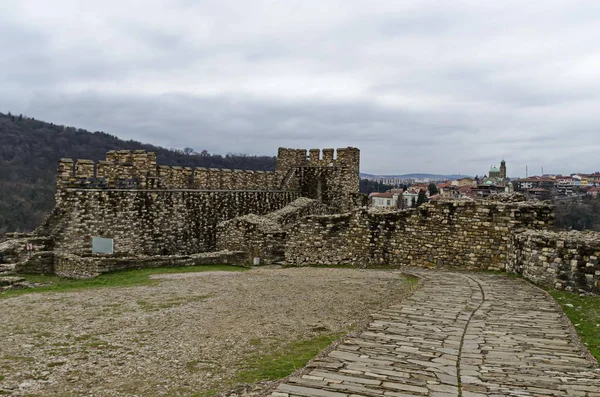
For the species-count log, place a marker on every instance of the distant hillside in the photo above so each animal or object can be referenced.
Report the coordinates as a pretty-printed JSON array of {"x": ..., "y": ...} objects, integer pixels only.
[
  {"x": 416, "y": 176},
  {"x": 30, "y": 150}
]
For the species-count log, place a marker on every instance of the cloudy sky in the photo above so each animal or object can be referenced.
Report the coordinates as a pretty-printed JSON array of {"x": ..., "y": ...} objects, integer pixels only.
[{"x": 419, "y": 86}]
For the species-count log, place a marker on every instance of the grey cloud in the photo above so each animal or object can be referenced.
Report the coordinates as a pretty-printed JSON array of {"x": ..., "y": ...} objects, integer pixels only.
[{"x": 419, "y": 87}]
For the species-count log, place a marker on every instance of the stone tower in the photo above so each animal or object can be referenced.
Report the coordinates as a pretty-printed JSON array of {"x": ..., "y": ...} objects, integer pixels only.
[
  {"x": 503, "y": 169},
  {"x": 321, "y": 175}
]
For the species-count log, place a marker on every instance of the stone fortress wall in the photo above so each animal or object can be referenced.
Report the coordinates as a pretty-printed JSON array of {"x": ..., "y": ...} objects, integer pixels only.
[
  {"x": 150, "y": 209},
  {"x": 499, "y": 233},
  {"x": 153, "y": 210},
  {"x": 154, "y": 222},
  {"x": 456, "y": 234},
  {"x": 137, "y": 169},
  {"x": 309, "y": 211}
]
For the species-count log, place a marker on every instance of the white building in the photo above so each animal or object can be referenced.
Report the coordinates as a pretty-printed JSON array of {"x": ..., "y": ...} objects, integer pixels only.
[{"x": 383, "y": 200}]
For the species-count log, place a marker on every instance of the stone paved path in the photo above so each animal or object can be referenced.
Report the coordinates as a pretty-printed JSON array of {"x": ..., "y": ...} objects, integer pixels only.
[{"x": 459, "y": 334}]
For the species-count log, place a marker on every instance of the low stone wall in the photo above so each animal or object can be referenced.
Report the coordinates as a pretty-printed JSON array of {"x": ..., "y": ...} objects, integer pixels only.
[
  {"x": 561, "y": 260},
  {"x": 458, "y": 234},
  {"x": 75, "y": 266},
  {"x": 13, "y": 248},
  {"x": 264, "y": 236},
  {"x": 36, "y": 263}
]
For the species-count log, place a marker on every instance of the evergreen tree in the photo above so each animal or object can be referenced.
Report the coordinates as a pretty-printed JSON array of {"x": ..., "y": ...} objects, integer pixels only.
[
  {"x": 413, "y": 204},
  {"x": 433, "y": 190},
  {"x": 422, "y": 198}
]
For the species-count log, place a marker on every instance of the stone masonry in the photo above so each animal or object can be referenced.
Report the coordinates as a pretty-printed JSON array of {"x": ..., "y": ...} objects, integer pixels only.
[
  {"x": 152, "y": 210},
  {"x": 159, "y": 210},
  {"x": 155, "y": 222},
  {"x": 264, "y": 236},
  {"x": 561, "y": 260},
  {"x": 320, "y": 176},
  {"x": 461, "y": 234}
]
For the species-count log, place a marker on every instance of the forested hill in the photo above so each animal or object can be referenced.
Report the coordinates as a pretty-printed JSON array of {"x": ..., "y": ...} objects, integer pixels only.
[{"x": 30, "y": 150}]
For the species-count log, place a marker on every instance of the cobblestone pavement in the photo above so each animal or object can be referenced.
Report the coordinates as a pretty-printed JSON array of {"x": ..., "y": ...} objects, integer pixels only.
[{"x": 459, "y": 334}]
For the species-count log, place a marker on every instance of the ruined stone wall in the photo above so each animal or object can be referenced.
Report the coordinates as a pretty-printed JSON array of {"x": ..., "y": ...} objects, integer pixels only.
[
  {"x": 153, "y": 222},
  {"x": 41, "y": 262},
  {"x": 461, "y": 234},
  {"x": 561, "y": 260},
  {"x": 13, "y": 248},
  {"x": 264, "y": 236}
]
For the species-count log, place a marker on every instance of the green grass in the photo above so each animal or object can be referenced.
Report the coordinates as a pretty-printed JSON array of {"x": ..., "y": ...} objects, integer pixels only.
[
  {"x": 411, "y": 280},
  {"x": 584, "y": 313},
  {"x": 126, "y": 278},
  {"x": 285, "y": 360}
]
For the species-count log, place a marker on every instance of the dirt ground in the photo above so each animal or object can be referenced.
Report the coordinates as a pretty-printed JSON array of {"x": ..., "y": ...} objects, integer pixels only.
[{"x": 186, "y": 336}]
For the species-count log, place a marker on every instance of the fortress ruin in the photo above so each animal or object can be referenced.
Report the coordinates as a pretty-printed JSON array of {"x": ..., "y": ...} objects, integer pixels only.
[{"x": 308, "y": 211}]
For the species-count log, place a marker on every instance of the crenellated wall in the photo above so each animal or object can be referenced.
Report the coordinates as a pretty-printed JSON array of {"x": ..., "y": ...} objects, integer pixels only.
[
  {"x": 329, "y": 176},
  {"x": 150, "y": 209},
  {"x": 461, "y": 234},
  {"x": 137, "y": 169}
]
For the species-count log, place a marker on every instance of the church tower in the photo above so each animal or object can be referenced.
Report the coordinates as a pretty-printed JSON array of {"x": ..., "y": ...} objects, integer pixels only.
[{"x": 503, "y": 169}]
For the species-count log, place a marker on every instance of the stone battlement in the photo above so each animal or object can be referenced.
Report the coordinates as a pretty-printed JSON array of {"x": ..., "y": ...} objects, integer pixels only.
[
  {"x": 154, "y": 209},
  {"x": 330, "y": 176},
  {"x": 318, "y": 172},
  {"x": 137, "y": 169},
  {"x": 342, "y": 157}
]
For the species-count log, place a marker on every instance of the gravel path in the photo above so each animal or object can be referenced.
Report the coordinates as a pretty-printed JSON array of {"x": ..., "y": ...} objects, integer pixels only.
[
  {"x": 187, "y": 335},
  {"x": 458, "y": 335}
]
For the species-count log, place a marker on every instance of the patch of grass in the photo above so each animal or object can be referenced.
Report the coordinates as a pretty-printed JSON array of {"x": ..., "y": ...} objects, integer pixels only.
[
  {"x": 1, "y": 378},
  {"x": 126, "y": 278},
  {"x": 285, "y": 360},
  {"x": 411, "y": 280},
  {"x": 584, "y": 313},
  {"x": 192, "y": 366}
]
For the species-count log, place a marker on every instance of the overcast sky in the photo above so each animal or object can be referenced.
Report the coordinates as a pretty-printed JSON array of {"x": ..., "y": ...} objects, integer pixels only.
[{"x": 418, "y": 86}]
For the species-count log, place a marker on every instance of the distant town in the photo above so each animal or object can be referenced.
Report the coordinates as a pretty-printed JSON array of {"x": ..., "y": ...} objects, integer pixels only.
[{"x": 406, "y": 192}]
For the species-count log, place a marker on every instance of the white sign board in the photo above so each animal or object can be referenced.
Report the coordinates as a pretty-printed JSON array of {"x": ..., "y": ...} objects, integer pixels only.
[{"x": 101, "y": 245}]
